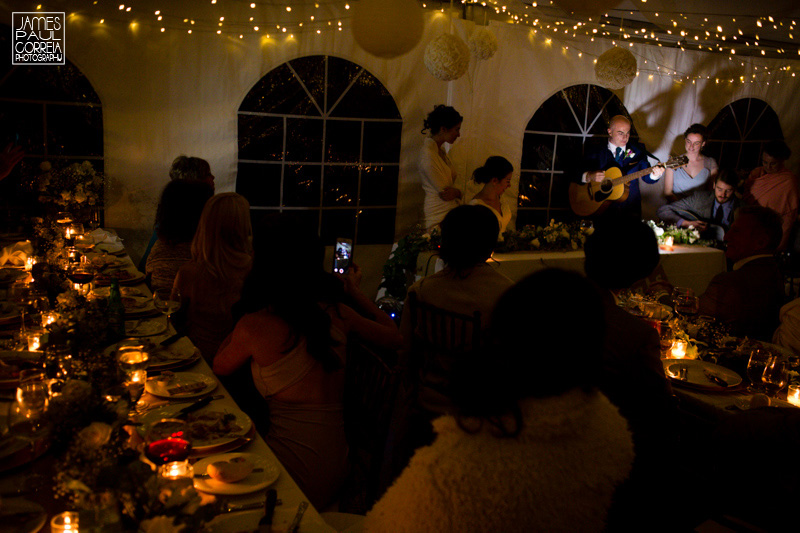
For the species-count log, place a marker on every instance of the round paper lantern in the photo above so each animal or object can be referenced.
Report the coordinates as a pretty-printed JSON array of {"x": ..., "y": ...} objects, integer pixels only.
[
  {"x": 615, "y": 68},
  {"x": 387, "y": 28},
  {"x": 447, "y": 57},
  {"x": 582, "y": 8},
  {"x": 482, "y": 43}
]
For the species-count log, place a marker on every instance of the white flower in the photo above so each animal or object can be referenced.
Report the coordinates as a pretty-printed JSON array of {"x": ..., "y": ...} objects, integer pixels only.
[
  {"x": 447, "y": 57},
  {"x": 535, "y": 243},
  {"x": 95, "y": 435},
  {"x": 426, "y": 236},
  {"x": 66, "y": 195},
  {"x": 482, "y": 43},
  {"x": 45, "y": 166},
  {"x": 564, "y": 233},
  {"x": 574, "y": 245},
  {"x": 588, "y": 231},
  {"x": 658, "y": 231}
]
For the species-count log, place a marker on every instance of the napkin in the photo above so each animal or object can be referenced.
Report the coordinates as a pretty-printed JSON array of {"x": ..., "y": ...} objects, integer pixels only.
[
  {"x": 16, "y": 254},
  {"x": 102, "y": 236}
]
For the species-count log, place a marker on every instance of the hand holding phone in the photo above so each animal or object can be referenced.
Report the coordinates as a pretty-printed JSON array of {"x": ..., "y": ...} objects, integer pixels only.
[{"x": 342, "y": 256}]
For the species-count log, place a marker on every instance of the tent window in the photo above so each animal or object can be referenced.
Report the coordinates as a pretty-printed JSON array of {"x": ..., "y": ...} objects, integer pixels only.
[
  {"x": 320, "y": 136},
  {"x": 553, "y": 144},
  {"x": 739, "y": 131}
]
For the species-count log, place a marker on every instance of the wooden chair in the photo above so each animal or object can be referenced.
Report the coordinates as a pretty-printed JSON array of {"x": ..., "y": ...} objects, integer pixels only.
[{"x": 371, "y": 385}]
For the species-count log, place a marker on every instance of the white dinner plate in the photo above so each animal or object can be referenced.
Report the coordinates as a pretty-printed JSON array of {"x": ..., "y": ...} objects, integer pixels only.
[
  {"x": 178, "y": 353},
  {"x": 103, "y": 292},
  {"x": 253, "y": 482},
  {"x": 111, "y": 248},
  {"x": 131, "y": 277},
  {"x": 181, "y": 385},
  {"x": 696, "y": 374},
  {"x": 241, "y": 425},
  {"x": 144, "y": 328},
  {"x": 18, "y": 515}
]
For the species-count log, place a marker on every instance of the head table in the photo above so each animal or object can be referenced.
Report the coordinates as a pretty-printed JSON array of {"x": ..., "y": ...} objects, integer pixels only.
[{"x": 288, "y": 492}]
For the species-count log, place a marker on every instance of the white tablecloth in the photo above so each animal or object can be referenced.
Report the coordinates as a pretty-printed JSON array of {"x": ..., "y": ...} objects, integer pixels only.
[{"x": 685, "y": 266}]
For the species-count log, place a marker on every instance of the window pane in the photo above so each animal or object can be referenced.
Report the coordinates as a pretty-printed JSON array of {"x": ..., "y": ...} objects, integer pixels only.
[
  {"x": 379, "y": 184},
  {"x": 537, "y": 151},
  {"x": 382, "y": 142},
  {"x": 724, "y": 127},
  {"x": 260, "y": 137},
  {"x": 62, "y": 83},
  {"x": 311, "y": 70},
  {"x": 730, "y": 155},
  {"x": 260, "y": 184},
  {"x": 337, "y": 223},
  {"x": 340, "y": 186},
  {"x": 301, "y": 185},
  {"x": 750, "y": 157},
  {"x": 534, "y": 189},
  {"x": 343, "y": 140},
  {"x": 376, "y": 226},
  {"x": 340, "y": 73},
  {"x": 554, "y": 115},
  {"x": 24, "y": 122},
  {"x": 367, "y": 98},
  {"x": 74, "y": 130},
  {"x": 279, "y": 92},
  {"x": 560, "y": 194},
  {"x": 568, "y": 154},
  {"x": 303, "y": 139}
]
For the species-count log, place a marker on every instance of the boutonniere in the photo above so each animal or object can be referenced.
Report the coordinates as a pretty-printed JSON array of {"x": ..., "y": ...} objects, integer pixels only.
[{"x": 629, "y": 154}]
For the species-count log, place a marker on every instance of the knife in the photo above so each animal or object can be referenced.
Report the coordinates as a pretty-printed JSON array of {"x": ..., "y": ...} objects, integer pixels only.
[
  {"x": 295, "y": 525},
  {"x": 265, "y": 524},
  {"x": 199, "y": 404},
  {"x": 716, "y": 379},
  {"x": 171, "y": 340}
]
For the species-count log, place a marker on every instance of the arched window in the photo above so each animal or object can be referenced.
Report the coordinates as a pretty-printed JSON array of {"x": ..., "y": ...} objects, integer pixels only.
[
  {"x": 53, "y": 112},
  {"x": 553, "y": 145},
  {"x": 738, "y": 132},
  {"x": 320, "y": 136}
]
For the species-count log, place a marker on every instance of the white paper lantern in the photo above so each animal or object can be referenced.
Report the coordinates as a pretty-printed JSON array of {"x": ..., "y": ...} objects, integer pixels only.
[
  {"x": 615, "y": 68},
  {"x": 447, "y": 57},
  {"x": 482, "y": 43},
  {"x": 387, "y": 28}
]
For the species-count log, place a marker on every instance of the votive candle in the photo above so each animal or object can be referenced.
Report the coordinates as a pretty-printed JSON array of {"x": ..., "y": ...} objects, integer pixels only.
[
  {"x": 793, "y": 394},
  {"x": 48, "y": 318},
  {"x": 34, "y": 340},
  {"x": 137, "y": 376},
  {"x": 176, "y": 470},
  {"x": 67, "y": 521},
  {"x": 29, "y": 262},
  {"x": 679, "y": 349}
]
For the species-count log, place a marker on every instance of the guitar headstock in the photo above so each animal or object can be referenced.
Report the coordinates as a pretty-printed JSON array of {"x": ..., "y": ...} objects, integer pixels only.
[{"x": 676, "y": 161}]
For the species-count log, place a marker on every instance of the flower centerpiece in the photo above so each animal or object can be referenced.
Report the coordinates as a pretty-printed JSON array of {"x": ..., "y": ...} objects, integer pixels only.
[
  {"x": 556, "y": 236},
  {"x": 689, "y": 235},
  {"x": 82, "y": 322},
  {"x": 401, "y": 266}
]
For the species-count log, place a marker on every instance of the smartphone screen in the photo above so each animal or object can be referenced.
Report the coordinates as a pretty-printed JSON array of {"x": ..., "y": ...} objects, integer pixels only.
[{"x": 342, "y": 256}]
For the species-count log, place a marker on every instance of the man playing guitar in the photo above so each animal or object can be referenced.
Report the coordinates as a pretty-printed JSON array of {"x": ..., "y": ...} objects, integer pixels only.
[{"x": 627, "y": 156}]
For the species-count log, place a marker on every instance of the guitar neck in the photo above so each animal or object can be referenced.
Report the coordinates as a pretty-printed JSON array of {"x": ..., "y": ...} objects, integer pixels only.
[{"x": 630, "y": 177}]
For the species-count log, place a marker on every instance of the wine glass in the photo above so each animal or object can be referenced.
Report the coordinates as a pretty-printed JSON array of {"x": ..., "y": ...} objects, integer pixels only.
[
  {"x": 167, "y": 301},
  {"x": 687, "y": 305},
  {"x": 133, "y": 360},
  {"x": 759, "y": 358},
  {"x": 776, "y": 376},
  {"x": 167, "y": 440},
  {"x": 33, "y": 397},
  {"x": 19, "y": 294},
  {"x": 81, "y": 273}
]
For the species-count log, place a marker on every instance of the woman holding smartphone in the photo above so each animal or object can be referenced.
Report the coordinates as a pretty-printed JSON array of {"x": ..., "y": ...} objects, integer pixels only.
[{"x": 294, "y": 336}]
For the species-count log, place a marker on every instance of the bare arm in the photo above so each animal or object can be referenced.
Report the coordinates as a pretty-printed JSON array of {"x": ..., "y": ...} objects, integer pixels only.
[
  {"x": 376, "y": 327},
  {"x": 669, "y": 179},
  {"x": 235, "y": 350}
]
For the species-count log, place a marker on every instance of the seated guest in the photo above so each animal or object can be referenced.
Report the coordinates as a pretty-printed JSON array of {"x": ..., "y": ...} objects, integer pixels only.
[
  {"x": 700, "y": 170},
  {"x": 293, "y": 336},
  {"x": 183, "y": 168},
  {"x": 750, "y": 296},
  {"x": 621, "y": 251},
  {"x": 788, "y": 333},
  {"x": 711, "y": 212},
  {"x": 535, "y": 446},
  {"x": 773, "y": 185},
  {"x": 495, "y": 176},
  {"x": 212, "y": 281},
  {"x": 176, "y": 221}
]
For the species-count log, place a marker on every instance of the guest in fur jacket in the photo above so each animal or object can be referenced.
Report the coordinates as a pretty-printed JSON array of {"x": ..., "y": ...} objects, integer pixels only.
[{"x": 536, "y": 447}]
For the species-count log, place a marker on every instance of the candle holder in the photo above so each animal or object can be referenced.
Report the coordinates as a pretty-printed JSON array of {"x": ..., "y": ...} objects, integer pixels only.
[
  {"x": 49, "y": 318},
  {"x": 678, "y": 350},
  {"x": 34, "y": 339},
  {"x": 177, "y": 475},
  {"x": 67, "y": 521},
  {"x": 793, "y": 394}
]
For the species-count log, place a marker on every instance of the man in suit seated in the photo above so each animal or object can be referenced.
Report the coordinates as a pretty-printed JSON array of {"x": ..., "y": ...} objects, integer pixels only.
[
  {"x": 623, "y": 154},
  {"x": 710, "y": 212},
  {"x": 749, "y": 297}
]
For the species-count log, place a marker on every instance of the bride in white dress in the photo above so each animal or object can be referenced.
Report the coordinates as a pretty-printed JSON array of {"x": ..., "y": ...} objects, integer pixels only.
[{"x": 495, "y": 175}]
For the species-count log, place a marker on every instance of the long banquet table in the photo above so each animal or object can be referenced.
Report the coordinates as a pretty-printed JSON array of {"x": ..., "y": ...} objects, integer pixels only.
[
  {"x": 685, "y": 266},
  {"x": 287, "y": 489}
]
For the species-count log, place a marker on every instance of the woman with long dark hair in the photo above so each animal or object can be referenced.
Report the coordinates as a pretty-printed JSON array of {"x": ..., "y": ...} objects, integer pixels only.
[{"x": 293, "y": 333}]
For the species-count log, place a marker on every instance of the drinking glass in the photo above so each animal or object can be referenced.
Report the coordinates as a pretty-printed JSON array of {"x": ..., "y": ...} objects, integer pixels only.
[
  {"x": 84, "y": 241},
  {"x": 167, "y": 440},
  {"x": 33, "y": 397},
  {"x": 776, "y": 376},
  {"x": 19, "y": 294},
  {"x": 759, "y": 358},
  {"x": 82, "y": 274},
  {"x": 687, "y": 306},
  {"x": 167, "y": 301},
  {"x": 133, "y": 360}
]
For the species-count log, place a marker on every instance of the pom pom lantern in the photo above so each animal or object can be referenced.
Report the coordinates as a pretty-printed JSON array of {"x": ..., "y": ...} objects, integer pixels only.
[
  {"x": 615, "y": 68},
  {"x": 482, "y": 43},
  {"x": 447, "y": 57}
]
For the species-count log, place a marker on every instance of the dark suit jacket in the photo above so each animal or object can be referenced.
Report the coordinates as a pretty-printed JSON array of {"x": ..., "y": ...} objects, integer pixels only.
[
  {"x": 697, "y": 206},
  {"x": 599, "y": 157},
  {"x": 749, "y": 299}
]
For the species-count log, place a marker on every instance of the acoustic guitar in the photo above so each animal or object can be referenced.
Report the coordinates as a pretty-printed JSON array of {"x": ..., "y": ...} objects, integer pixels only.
[{"x": 592, "y": 198}]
